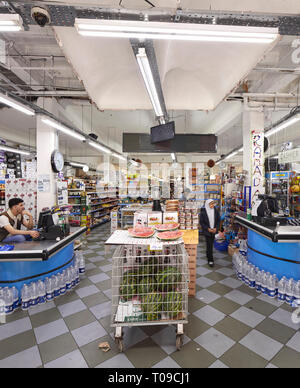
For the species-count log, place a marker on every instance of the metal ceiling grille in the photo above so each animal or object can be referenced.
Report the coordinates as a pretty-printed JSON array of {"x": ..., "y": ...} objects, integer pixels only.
[{"x": 62, "y": 15}]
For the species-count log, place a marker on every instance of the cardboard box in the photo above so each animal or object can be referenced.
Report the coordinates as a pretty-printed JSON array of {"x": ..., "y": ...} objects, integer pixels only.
[
  {"x": 170, "y": 217},
  {"x": 154, "y": 218},
  {"x": 232, "y": 250},
  {"x": 140, "y": 219}
]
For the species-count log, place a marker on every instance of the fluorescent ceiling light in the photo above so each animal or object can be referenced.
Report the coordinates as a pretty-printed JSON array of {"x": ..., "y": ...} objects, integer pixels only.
[
  {"x": 10, "y": 23},
  {"x": 172, "y": 31},
  {"x": 14, "y": 150},
  {"x": 231, "y": 155},
  {"x": 75, "y": 164},
  {"x": 119, "y": 157},
  {"x": 99, "y": 147},
  {"x": 285, "y": 124},
  {"x": 62, "y": 128},
  {"x": 16, "y": 105},
  {"x": 149, "y": 81}
]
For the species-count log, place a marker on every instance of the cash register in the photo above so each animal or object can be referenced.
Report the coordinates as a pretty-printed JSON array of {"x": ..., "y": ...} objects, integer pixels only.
[
  {"x": 50, "y": 228},
  {"x": 266, "y": 211}
]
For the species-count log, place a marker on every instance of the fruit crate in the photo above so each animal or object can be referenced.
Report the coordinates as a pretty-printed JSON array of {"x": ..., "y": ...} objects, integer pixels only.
[{"x": 149, "y": 288}]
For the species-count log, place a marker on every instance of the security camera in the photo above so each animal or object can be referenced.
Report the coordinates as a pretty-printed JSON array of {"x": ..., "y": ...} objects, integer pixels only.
[{"x": 41, "y": 16}]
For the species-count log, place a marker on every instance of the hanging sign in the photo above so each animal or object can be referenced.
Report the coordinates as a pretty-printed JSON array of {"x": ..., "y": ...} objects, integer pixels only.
[
  {"x": 289, "y": 156},
  {"x": 258, "y": 162}
]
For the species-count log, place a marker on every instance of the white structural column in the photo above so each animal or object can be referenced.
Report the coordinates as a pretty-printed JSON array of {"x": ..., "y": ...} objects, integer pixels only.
[
  {"x": 253, "y": 150},
  {"x": 46, "y": 143}
]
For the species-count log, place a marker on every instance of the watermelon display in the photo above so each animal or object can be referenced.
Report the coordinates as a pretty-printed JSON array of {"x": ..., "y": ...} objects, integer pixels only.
[
  {"x": 152, "y": 306},
  {"x": 150, "y": 266},
  {"x": 128, "y": 287},
  {"x": 169, "y": 236},
  {"x": 168, "y": 279},
  {"x": 146, "y": 285},
  {"x": 141, "y": 232},
  {"x": 167, "y": 227},
  {"x": 173, "y": 304}
]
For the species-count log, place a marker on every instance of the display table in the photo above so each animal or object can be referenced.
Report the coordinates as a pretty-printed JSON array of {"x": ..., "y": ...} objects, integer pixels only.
[
  {"x": 35, "y": 260},
  {"x": 273, "y": 249}
]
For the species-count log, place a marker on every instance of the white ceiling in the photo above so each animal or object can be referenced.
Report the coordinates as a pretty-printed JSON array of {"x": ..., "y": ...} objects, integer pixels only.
[{"x": 193, "y": 77}]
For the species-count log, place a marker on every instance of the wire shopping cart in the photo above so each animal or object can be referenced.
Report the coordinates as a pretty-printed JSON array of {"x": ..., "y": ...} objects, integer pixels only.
[{"x": 149, "y": 288}]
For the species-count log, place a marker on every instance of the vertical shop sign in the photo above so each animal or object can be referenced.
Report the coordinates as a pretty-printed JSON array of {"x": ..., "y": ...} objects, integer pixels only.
[{"x": 258, "y": 164}]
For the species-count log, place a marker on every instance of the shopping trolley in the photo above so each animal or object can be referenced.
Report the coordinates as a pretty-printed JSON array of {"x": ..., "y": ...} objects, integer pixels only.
[{"x": 149, "y": 288}]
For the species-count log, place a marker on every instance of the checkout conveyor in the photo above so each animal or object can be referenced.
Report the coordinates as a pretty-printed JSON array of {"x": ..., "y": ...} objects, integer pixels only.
[{"x": 36, "y": 260}]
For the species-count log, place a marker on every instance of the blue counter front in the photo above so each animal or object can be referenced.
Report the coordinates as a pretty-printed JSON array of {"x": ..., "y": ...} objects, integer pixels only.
[
  {"x": 36, "y": 260},
  {"x": 274, "y": 250},
  {"x": 282, "y": 259}
]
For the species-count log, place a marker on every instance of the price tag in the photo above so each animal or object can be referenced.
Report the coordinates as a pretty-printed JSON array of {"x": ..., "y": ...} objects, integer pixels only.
[{"x": 156, "y": 246}]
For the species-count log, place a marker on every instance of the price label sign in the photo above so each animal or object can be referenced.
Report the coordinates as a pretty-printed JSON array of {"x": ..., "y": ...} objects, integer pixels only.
[{"x": 156, "y": 246}]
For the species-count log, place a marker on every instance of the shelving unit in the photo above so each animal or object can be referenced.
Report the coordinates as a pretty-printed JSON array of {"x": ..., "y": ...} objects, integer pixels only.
[
  {"x": 2, "y": 196},
  {"x": 100, "y": 205}
]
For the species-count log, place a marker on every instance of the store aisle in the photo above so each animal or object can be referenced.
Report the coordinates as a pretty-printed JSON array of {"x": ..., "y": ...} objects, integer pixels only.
[{"x": 229, "y": 325}]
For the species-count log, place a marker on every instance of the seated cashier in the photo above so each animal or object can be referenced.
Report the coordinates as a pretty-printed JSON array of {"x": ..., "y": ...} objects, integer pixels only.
[{"x": 12, "y": 220}]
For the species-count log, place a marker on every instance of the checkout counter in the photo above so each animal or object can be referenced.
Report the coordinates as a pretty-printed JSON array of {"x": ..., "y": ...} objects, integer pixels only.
[
  {"x": 36, "y": 260},
  {"x": 273, "y": 248}
]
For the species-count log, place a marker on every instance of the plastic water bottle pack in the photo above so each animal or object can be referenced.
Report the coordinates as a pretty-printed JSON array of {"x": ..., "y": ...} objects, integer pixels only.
[
  {"x": 51, "y": 287},
  {"x": 9, "y": 300},
  {"x": 285, "y": 290},
  {"x": 42, "y": 291}
]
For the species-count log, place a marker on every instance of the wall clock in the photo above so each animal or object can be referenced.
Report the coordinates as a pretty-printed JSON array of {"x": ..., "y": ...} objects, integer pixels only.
[{"x": 57, "y": 161}]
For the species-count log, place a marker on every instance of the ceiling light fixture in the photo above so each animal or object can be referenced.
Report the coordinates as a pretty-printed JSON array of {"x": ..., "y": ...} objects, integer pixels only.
[
  {"x": 173, "y": 156},
  {"x": 81, "y": 165},
  {"x": 10, "y": 23},
  {"x": 14, "y": 150},
  {"x": 287, "y": 123},
  {"x": 172, "y": 31},
  {"x": 231, "y": 155},
  {"x": 145, "y": 69},
  {"x": 119, "y": 156},
  {"x": 62, "y": 128},
  {"x": 16, "y": 105},
  {"x": 99, "y": 147}
]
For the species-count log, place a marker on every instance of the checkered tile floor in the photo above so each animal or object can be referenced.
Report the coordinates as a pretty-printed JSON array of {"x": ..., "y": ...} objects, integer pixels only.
[{"x": 230, "y": 325}]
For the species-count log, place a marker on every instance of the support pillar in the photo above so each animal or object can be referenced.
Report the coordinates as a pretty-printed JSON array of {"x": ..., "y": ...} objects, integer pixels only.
[
  {"x": 46, "y": 143},
  {"x": 253, "y": 151}
]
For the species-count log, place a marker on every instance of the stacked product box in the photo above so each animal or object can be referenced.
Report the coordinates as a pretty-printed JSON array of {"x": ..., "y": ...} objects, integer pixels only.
[{"x": 188, "y": 216}]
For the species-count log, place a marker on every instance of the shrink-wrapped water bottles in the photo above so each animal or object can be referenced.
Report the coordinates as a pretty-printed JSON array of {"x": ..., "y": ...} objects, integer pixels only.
[{"x": 26, "y": 297}]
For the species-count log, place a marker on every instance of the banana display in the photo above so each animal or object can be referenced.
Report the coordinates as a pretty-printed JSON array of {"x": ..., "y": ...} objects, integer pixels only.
[{"x": 158, "y": 288}]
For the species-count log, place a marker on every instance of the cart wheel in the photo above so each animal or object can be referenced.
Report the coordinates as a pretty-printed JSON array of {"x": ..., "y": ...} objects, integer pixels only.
[
  {"x": 179, "y": 341},
  {"x": 119, "y": 342}
]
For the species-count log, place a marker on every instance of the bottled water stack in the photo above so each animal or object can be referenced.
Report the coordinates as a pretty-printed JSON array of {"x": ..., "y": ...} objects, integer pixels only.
[
  {"x": 285, "y": 290},
  {"x": 50, "y": 288}
]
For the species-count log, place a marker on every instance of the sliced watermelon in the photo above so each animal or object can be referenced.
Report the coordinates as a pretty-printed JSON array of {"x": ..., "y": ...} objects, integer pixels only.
[
  {"x": 141, "y": 232},
  {"x": 168, "y": 236},
  {"x": 167, "y": 227}
]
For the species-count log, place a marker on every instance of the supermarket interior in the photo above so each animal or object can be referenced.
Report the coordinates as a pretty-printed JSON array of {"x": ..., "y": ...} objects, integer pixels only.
[{"x": 149, "y": 201}]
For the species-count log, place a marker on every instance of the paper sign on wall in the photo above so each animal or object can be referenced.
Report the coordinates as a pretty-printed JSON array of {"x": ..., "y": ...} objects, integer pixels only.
[{"x": 43, "y": 183}]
